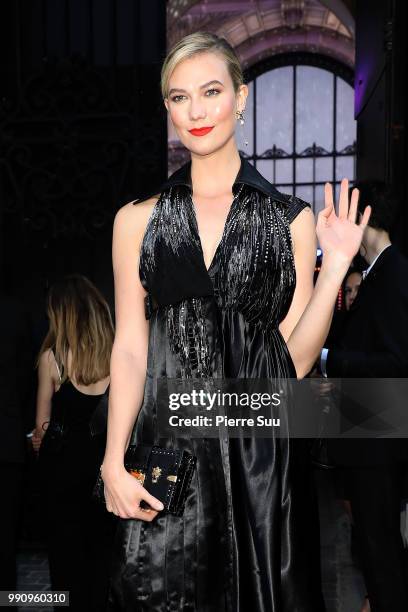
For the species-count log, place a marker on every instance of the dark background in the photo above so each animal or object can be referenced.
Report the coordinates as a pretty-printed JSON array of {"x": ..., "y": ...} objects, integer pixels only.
[{"x": 82, "y": 132}]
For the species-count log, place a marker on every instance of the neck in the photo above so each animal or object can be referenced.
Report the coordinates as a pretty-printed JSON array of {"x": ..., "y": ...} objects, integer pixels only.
[
  {"x": 379, "y": 241},
  {"x": 215, "y": 173}
]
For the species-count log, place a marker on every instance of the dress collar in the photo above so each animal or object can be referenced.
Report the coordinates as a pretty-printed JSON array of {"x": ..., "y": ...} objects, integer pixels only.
[{"x": 247, "y": 175}]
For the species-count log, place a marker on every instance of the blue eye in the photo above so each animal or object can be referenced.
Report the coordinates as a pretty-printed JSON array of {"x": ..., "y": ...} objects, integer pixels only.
[
  {"x": 213, "y": 89},
  {"x": 174, "y": 99}
]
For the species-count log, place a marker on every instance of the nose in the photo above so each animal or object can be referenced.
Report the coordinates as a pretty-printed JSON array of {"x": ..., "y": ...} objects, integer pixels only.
[{"x": 197, "y": 109}]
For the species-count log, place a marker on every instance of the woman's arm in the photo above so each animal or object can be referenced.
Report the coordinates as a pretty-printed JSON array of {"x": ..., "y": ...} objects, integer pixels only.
[
  {"x": 303, "y": 231},
  {"x": 129, "y": 352},
  {"x": 45, "y": 391},
  {"x": 128, "y": 362},
  {"x": 307, "y": 323}
]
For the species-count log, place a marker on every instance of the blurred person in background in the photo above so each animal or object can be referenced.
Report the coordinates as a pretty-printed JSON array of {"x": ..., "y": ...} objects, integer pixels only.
[
  {"x": 73, "y": 379},
  {"x": 374, "y": 344},
  {"x": 351, "y": 287}
]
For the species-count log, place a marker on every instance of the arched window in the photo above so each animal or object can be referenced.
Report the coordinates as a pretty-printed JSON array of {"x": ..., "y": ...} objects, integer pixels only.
[{"x": 299, "y": 124}]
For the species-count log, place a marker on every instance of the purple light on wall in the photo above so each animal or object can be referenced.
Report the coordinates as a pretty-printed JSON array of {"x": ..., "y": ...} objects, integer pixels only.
[{"x": 364, "y": 71}]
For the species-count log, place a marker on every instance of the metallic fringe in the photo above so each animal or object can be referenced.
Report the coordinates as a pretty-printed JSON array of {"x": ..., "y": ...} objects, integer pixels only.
[
  {"x": 188, "y": 337},
  {"x": 255, "y": 272}
]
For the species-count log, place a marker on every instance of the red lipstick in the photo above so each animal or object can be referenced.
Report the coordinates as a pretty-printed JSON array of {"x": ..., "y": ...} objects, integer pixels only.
[{"x": 201, "y": 131}]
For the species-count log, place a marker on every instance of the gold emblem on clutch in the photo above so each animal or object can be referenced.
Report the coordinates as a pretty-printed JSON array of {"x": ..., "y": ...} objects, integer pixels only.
[
  {"x": 140, "y": 476},
  {"x": 172, "y": 478},
  {"x": 156, "y": 473}
]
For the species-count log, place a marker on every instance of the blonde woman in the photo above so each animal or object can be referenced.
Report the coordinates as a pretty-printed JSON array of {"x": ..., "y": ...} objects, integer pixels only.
[
  {"x": 227, "y": 262},
  {"x": 73, "y": 376}
]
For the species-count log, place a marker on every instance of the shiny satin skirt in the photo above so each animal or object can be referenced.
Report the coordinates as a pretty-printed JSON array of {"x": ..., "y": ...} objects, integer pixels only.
[{"x": 248, "y": 540}]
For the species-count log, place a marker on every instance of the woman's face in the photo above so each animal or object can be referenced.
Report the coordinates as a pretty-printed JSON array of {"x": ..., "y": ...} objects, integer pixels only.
[
  {"x": 351, "y": 288},
  {"x": 201, "y": 95}
]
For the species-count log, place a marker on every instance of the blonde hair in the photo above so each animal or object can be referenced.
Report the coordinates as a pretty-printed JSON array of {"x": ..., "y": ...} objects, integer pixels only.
[
  {"x": 201, "y": 42},
  {"x": 80, "y": 321}
]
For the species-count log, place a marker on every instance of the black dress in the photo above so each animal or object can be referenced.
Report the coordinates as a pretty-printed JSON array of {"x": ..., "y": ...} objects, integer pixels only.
[
  {"x": 248, "y": 539},
  {"x": 78, "y": 532}
]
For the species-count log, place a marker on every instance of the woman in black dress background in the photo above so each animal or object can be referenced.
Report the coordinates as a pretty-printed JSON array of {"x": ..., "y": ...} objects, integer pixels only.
[
  {"x": 227, "y": 262},
  {"x": 73, "y": 376}
]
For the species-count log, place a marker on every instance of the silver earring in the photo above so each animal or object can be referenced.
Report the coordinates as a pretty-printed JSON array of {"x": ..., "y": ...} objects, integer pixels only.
[{"x": 241, "y": 119}]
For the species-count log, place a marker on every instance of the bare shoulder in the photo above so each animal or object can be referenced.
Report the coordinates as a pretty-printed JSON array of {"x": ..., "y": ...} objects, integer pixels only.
[
  {"x": 46, "y": 357},
  {"x": 47, "y": 364},
  {"x": 304, "y": 220},
  {"x": 133, "y": 216},
  {"x": 303, "y": 230}
]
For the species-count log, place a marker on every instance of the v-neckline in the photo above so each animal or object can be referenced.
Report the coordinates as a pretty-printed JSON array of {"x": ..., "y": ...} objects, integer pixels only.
[{"x": 227, "y": 218}]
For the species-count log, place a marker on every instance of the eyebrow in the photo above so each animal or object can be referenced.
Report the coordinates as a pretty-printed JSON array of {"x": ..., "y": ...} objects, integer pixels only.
[{"x": 201, "y": 86}]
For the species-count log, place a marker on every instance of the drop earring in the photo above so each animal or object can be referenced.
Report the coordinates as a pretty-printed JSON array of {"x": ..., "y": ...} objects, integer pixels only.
[{"x": 241, "y": 119}]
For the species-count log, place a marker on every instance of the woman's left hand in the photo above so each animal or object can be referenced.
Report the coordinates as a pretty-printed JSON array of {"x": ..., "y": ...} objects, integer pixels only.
[
  {"x": 37, "y": 437},
  {"x": 339, "y": 235}
]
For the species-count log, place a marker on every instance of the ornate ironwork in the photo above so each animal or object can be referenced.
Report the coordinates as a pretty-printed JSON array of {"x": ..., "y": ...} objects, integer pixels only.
[
  {"x": 273, "y": 153},
  {"x": 315, "y": 151}
]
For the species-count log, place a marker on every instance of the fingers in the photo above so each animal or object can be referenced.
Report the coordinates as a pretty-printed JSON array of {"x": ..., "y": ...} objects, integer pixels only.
[
  {"x": 111, "y": 505},
  {"x": 36, "y": 443},
  {"x": 345, "y": 212},
  {"x": 365, "y": 218},
  {"x": 145, "y": 514},
  {"x": 343, "y": 200},
  {"x": 149, "y": 515},
  {"x": 352, "y": 215},
  {"x": 155, "y": 503},
  {"x": 328, "y": 198}
]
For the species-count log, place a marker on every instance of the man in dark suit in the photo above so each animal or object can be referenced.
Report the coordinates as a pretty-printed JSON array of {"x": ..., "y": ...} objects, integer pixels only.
[
  {"x": 15, "y": 373},
  {"x": 374, "y": 344}
]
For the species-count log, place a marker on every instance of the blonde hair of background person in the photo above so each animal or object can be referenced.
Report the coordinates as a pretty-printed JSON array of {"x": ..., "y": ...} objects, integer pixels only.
[
  {"x": 81, "y": 334},
  {"x": 202, "y": 85}
]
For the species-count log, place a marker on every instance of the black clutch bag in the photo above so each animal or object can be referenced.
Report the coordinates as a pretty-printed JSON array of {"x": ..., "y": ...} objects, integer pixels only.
[{"x": 165, "y": 473}]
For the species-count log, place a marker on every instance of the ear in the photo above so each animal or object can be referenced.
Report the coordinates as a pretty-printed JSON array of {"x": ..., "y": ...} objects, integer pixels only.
[
  {"x": 242, "y": 95},
  {"x": 166, "y": 103}
]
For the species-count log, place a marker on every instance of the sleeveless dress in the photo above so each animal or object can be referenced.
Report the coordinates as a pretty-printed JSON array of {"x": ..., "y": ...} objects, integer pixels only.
[
  {"x": 248, "y": 539},
  {"x": 78, "y": 533}
]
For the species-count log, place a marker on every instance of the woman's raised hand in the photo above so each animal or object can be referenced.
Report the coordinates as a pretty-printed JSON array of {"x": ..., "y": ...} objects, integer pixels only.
[
  {"x": 339, "y": 235},
  {"x": 123, "y": 494}
]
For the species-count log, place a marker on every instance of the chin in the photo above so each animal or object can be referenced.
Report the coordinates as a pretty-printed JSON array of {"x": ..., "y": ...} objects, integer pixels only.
[{"x": 204, "y": 149}]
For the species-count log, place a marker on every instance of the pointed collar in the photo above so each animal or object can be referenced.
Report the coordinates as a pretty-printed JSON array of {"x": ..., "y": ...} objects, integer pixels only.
[{"x": 247, "y": 175}]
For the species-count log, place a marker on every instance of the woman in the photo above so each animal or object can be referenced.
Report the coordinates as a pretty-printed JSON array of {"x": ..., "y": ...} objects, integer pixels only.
[
  {"x": 228, "y": 263},
  {"x": 73, "y": 376},
  {"x": 351, "y": 287}
]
